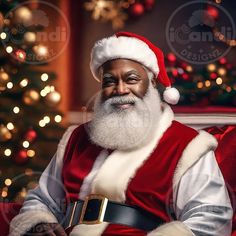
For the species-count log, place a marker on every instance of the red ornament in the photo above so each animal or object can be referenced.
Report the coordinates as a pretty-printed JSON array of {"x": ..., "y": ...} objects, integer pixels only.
[
  {"x": 171, "y": 57},
  {"x": 213, "y": 12},
  {"x": 185, "y": 76},
  {"x": 229, "y": 66},
  {"x": 20, "y": 55},
  {"x": 30, "y": 135},
  {"x": 213, "y": 75},
  {"x": 184, "y": 65},
  {"x": 222, "y": 60},
  {"x": 149, "y": 4},
  {"x": 175, "y": 72},
  {"x": 137, "y": 9},
  {"x": 21, "y": 157}
]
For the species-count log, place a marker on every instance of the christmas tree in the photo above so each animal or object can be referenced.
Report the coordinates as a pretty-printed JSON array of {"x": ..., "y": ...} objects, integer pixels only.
[
  {"x": 30, "y": 123},
  {"x": 213, "y": 84}
]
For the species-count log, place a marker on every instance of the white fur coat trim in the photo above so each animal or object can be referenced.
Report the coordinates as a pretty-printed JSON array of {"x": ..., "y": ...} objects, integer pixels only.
[
  {"x": 199, "y": 146},
  {"x": 25, "y": 221},
  {"x": 89, "y": 230},
  {"x": 122, "y": 47},
  {"x": 174, "y": 228}
]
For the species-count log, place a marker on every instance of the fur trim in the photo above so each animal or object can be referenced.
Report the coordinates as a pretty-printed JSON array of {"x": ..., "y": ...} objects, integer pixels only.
[
  {"x": 171, "y": 95},
  {"x": 89, "y": 230},
  {"x": 116, "y": 163},
  {"x": 25, "y": 221},
  {"x": 193, "y": 153},
  {"x": 86, "y": 186},
  {"x": 122, "y": 47},
  {"x": 172, "y": 229}
]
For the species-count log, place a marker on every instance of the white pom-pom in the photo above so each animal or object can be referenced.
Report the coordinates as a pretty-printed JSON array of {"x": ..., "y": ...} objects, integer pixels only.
[{"x": 171, "y": 95}]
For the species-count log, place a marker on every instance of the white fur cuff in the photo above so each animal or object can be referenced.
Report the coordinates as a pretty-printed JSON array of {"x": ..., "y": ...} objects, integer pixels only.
[
  {"x": 25, "y": 221},
  {"x": 174, "y": 228}
]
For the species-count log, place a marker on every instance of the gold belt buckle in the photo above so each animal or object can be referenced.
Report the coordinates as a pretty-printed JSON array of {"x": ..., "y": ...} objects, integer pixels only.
[{"x": 101, "y": 212}]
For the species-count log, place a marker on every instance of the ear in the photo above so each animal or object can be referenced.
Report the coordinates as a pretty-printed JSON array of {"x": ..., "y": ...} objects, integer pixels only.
[{"x": 154, "y": 82}]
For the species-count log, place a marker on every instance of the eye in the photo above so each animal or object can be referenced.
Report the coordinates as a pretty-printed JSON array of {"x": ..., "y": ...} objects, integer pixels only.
[
  {"x": 108, "y": 81},
  {"x": 132, "y": 79}
]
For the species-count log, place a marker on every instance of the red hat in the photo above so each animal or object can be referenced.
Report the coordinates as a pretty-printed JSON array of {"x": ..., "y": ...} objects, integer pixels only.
[{"x": 131, "y": 46}]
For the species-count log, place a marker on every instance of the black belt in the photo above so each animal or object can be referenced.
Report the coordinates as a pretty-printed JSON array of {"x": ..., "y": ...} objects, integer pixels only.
[{"x": 96, "y": 209}]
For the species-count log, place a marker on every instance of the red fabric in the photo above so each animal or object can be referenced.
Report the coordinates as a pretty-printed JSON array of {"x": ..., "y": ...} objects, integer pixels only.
[
  {"x": 151, "y": 187},
  {"x": 75, "y": 168},
  {"x": 8, "y": 211},
  {"x": 226, "y": 158}
]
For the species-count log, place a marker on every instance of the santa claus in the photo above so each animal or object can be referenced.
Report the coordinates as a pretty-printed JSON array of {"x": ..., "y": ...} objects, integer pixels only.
[{"x": 133, "y": 169}]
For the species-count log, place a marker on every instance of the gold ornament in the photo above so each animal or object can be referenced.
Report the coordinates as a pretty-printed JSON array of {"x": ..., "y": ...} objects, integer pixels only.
[
  {"x": 53, "y": 98},
  {"x": 4, "y": 79},
  {"x": 30, "y": 37},
  {"x": 23, "y": 15},
  {"x": 31, "y": 97},
  {"x": 5, "y": 134},
  {"x": 107, "y": 10}
]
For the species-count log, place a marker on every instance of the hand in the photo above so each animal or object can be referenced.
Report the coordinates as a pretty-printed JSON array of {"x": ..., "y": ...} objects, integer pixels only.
[{"x": 46, "y": 229}]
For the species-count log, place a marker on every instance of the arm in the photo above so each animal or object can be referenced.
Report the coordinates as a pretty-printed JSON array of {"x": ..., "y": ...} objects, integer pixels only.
[
  {"x": 201, "y": 199},
  {"x": 201, "y": 203},
  {"x": 44, "y": 203}
]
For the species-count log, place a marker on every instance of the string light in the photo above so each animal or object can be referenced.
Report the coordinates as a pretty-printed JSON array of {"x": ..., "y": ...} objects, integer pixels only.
[
  {"x": 24, "y": 82},
  {"x": 222, "y": 71},
  {"x": 211, "y": 67},
  {"x": 58, "y": 118},
  {"x": 3, "y": 35},
  {"x": 200, "y": 85},
  {"x": 46, "y": 119},
  {"x": 7, "y": 152},
  {"x": 16, "y": 110},
  {"x": 30, "y": 153},
  {"x": 207, "y": 83},
  {"x": 9, "y": 85},
  {"x": 9, "y": 49},
  {"x": 52, "y": 88},
  {"x": 8, "y": 182},
  {"x": 44, "y": 77},
  {"x": 189, "y": 68},
  {"x": 42, "y": 123},
  {"x": 25, "y": 144},
  {"x": 219, "y": 81},
  {"x": 43, "y": 93},
  {"x": 4, "y": 193},
  {"x": 10, "y": 126}
]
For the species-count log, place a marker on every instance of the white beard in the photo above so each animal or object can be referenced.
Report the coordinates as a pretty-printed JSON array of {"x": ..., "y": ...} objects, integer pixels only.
[{"x": 114, "y": 128}]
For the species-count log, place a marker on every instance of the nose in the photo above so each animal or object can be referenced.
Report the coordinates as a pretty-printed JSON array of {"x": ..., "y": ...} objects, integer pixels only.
[{"x": 121, "y": 88}]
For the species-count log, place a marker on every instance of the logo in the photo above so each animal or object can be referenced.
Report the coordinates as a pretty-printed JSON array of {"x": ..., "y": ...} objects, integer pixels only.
[
  {"x": 190, "y": 35},
  {"x": 35, "y": 35}
]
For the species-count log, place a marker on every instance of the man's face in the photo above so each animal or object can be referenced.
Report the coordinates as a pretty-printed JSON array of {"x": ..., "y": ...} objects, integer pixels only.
[{"x": 123, "y": 77}]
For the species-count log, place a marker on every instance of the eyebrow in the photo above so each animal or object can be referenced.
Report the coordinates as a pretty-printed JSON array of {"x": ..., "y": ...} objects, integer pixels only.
[
  {"x": 109, "y": 75},
  {"x": 132, "y": 72}
]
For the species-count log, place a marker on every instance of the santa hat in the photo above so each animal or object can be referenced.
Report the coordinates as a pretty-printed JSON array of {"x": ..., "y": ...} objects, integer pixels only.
[{"x": 131, "y": 46}]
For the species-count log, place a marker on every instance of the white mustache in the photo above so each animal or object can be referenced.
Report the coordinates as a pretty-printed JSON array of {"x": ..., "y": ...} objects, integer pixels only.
[{"x": 121, "y": 100}]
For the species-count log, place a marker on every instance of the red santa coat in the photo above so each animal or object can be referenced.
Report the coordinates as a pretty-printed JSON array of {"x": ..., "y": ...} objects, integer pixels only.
[
  {"x": 139, "y": 178},
  {"x": 131, "y": 177}
]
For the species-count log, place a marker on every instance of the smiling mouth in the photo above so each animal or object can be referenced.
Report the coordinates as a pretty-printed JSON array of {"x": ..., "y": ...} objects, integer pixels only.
[{"x": 123, "y": 105}]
